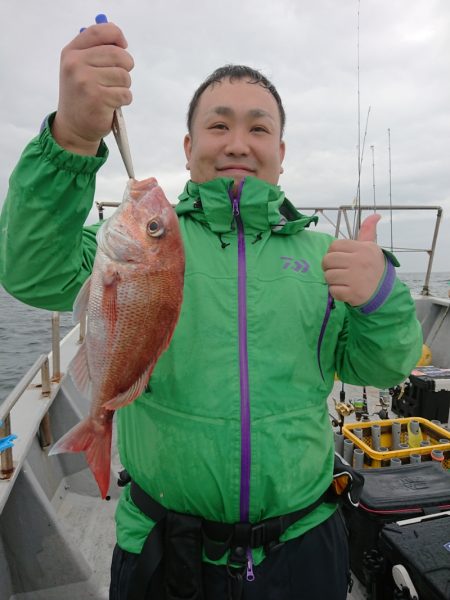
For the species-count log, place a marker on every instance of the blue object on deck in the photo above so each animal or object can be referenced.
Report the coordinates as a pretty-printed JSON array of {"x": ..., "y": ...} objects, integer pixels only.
[{"x": 7, "y": 442}]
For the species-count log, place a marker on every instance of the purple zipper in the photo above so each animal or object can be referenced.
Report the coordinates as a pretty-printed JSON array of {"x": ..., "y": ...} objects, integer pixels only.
[
  {"x": 330, "y": 304},
  {"x": 243, "y": 373},
  {"x": 243, "y": 360}
]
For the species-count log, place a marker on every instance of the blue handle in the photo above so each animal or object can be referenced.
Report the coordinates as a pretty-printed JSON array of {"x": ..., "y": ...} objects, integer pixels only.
[
  {"x": 7, "y": 442},
  {"x": 99, "y": 19}
]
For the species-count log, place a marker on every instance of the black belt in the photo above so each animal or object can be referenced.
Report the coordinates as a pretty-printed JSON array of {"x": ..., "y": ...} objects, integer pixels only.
[{"x": 181, "y": 539}]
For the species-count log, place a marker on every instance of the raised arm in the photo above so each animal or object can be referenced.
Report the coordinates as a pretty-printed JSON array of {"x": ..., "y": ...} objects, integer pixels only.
[
  {"x": 45, "y": 253},
  {"x": 382, "y": 339}
]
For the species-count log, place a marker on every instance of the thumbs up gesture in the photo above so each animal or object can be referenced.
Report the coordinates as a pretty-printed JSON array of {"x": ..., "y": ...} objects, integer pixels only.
[{"x": 353, "y": 268}]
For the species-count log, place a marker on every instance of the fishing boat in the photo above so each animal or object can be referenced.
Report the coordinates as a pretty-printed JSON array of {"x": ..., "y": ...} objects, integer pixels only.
[{"x": 56, "y": 533}]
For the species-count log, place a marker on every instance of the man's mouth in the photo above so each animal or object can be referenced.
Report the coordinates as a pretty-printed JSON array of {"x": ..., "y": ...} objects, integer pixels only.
[{"x": 240, "y": 169}]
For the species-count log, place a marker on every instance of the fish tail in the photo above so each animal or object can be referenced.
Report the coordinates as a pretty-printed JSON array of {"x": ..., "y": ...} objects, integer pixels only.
[{"x": 95, "y": 441}]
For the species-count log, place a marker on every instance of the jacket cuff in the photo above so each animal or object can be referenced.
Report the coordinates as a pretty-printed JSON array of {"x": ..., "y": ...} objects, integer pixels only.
[
  {"x": 66, "y": 159},
  {"x": 384, "y": 288}
]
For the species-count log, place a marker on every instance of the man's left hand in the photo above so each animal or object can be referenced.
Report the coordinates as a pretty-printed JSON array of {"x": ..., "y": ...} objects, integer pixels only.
[{"x": 353, "y": 268}]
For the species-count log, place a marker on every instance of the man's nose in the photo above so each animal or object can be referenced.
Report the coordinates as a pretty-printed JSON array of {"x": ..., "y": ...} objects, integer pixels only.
[{"x": 237, "y": 143}]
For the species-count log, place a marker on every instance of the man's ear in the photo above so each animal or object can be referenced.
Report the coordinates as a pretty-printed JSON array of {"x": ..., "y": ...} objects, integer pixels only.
[
  {"x": 282, "y": 153},
  {"x": 282, "y": 150},
  {"x": 187, "y": 148}
]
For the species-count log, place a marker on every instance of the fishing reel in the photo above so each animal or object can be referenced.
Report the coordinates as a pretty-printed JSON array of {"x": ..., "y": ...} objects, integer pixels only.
[
  {"x": 384, "y": 403},
  {"x": 343, "y": 409},
  {"x": 399, "y": 394},
  {"x": 360, "y": 408}
]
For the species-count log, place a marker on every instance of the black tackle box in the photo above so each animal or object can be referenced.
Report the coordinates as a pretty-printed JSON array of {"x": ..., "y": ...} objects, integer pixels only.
[
  {"x": 427, "y": 396},
  {"x": 391, "y": 494},
  {"x": 423, "y": 549}
]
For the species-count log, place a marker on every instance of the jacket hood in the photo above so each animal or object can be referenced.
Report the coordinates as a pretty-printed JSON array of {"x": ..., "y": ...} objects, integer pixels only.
[{"x": 262, "y": 206}]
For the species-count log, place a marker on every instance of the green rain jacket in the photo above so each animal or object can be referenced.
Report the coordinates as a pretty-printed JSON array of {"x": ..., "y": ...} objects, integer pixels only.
[{"x": 234, "y": 423}]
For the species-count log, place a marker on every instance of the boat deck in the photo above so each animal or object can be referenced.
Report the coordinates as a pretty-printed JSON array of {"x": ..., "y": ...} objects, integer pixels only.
[
  {"x": 56, "y": 534},
  {"x": 89, "y": 527}
]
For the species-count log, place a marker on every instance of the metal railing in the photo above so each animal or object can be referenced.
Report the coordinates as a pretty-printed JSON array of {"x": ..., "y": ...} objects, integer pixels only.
[
  {"x": 102, "y": 205},
  {"x": 42, "y": 364},
  {"x": 343, "y": 215}
]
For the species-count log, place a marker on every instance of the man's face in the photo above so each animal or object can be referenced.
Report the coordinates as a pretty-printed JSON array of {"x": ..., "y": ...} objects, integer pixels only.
[{"x": 235, "y": 133}]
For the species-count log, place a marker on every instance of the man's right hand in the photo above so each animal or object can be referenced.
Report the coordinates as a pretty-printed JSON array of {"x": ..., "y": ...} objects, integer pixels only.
[{"x": 94, "y": 80}]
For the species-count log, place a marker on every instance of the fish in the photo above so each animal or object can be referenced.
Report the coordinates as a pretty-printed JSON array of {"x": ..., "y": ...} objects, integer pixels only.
[{"x": 133, "y": 300}]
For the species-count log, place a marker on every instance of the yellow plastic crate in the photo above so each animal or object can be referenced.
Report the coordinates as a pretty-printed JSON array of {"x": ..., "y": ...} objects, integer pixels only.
[{"x": 373, "y": 458}]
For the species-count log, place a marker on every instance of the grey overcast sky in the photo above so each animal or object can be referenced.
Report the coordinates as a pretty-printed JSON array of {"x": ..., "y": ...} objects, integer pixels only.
[{"x": 308, "y": 49}]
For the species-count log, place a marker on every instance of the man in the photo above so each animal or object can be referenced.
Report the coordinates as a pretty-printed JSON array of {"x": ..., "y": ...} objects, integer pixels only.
[{"x": 234, "y": 426}]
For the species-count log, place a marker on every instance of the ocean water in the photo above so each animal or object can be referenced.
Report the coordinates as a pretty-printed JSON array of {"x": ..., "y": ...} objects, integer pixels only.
[{"x": 25, "y": 332}]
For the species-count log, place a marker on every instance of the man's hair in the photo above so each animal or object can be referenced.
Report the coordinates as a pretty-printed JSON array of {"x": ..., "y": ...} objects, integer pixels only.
[{"x": 233, "y": 72}]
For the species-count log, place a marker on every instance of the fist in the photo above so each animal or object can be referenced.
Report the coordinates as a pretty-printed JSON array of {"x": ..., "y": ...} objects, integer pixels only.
[
  {"x": 353, "y": 268},
  {"x": 94, "y": 80}
]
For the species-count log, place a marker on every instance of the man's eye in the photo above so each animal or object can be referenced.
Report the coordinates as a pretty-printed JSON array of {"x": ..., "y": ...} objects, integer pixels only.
[
  {"x": 218, "y": 126},
  {"x": 259, "y": 128}
]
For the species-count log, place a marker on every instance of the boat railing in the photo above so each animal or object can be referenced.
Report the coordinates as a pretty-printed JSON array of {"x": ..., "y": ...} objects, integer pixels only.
[
  {"x": 349, "y": 231},
  {"x": 42, "y": 364},
  {"x": 343, "y": 227},
  {"x": 6, "y": 457}
]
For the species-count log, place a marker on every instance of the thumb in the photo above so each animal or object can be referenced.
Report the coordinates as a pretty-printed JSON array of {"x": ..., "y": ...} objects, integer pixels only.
[{"x": 368, "y": 229}]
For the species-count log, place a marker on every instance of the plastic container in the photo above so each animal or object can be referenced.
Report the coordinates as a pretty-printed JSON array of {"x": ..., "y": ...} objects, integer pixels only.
[
  {"x": 422, "y": 398},
  {"x": 393, "y": 494},
  {"x": 422, "y": 548},
  {"x": 430, "y": 432}
]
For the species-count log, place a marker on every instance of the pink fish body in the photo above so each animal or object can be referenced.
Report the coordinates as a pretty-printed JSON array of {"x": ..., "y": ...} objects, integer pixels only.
[{"x": 133, "y": 300}]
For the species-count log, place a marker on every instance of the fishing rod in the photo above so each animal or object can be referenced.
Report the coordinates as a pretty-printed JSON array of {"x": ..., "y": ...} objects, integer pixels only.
[
  {"x": 390, "y": 188},
  {"x": 373, "y": 178},
  {"x": 357, "y": 202},
  {"x": 358, "y": 190},
  {"x": 357, "y": 215}
]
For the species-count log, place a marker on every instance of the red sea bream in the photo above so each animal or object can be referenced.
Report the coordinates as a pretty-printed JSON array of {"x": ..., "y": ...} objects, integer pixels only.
[{"x": 133, "y": 300}]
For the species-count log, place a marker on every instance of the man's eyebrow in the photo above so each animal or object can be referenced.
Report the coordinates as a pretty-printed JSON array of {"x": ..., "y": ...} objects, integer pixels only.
[
  {"x": 257, "y": 113},
  {"x": 222, "y": 110},
  {"x": 226, "y": 111}
]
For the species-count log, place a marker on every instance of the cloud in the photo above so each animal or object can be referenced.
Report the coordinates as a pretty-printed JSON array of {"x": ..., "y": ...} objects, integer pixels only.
[{"x": 310, "y": 52}]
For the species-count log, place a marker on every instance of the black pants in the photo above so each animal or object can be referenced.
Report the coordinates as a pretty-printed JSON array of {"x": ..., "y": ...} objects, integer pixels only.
[{"x": 312, "y": 567}]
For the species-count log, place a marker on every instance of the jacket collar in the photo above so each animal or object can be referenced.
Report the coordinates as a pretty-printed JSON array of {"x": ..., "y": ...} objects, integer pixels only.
[{"x": 262, "y": 207}]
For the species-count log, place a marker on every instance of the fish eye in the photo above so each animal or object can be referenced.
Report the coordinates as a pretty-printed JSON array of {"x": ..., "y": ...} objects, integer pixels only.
[{"x": 154, "y": 228}]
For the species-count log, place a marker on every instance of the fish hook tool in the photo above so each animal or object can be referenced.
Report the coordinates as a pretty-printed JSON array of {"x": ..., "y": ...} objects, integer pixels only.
[
  {"x": 120, "y": 133},
  {"x": 118, "y": 126}
]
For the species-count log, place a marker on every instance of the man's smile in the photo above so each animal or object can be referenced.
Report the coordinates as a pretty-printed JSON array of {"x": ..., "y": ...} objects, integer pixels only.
[{"x": 236, "y": 169}]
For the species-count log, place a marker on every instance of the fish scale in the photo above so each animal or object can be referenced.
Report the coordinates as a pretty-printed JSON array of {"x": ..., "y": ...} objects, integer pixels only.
[{"x": 133, "y": 300}]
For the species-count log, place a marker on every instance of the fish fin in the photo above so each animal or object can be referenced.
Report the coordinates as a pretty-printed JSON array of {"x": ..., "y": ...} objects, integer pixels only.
[
  {"x": 79, "y": 372},
  {"x": 109, "y": 305},
  {"x": 81, "y": 301},
  {"x": 132, "y": 393},
  {"x": 95, "y": 441}
]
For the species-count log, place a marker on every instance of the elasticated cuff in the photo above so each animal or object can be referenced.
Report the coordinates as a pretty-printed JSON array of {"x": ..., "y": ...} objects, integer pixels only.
[
  {"x": 66, "y": 160},
  {"x": 384, "y": 288}
]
